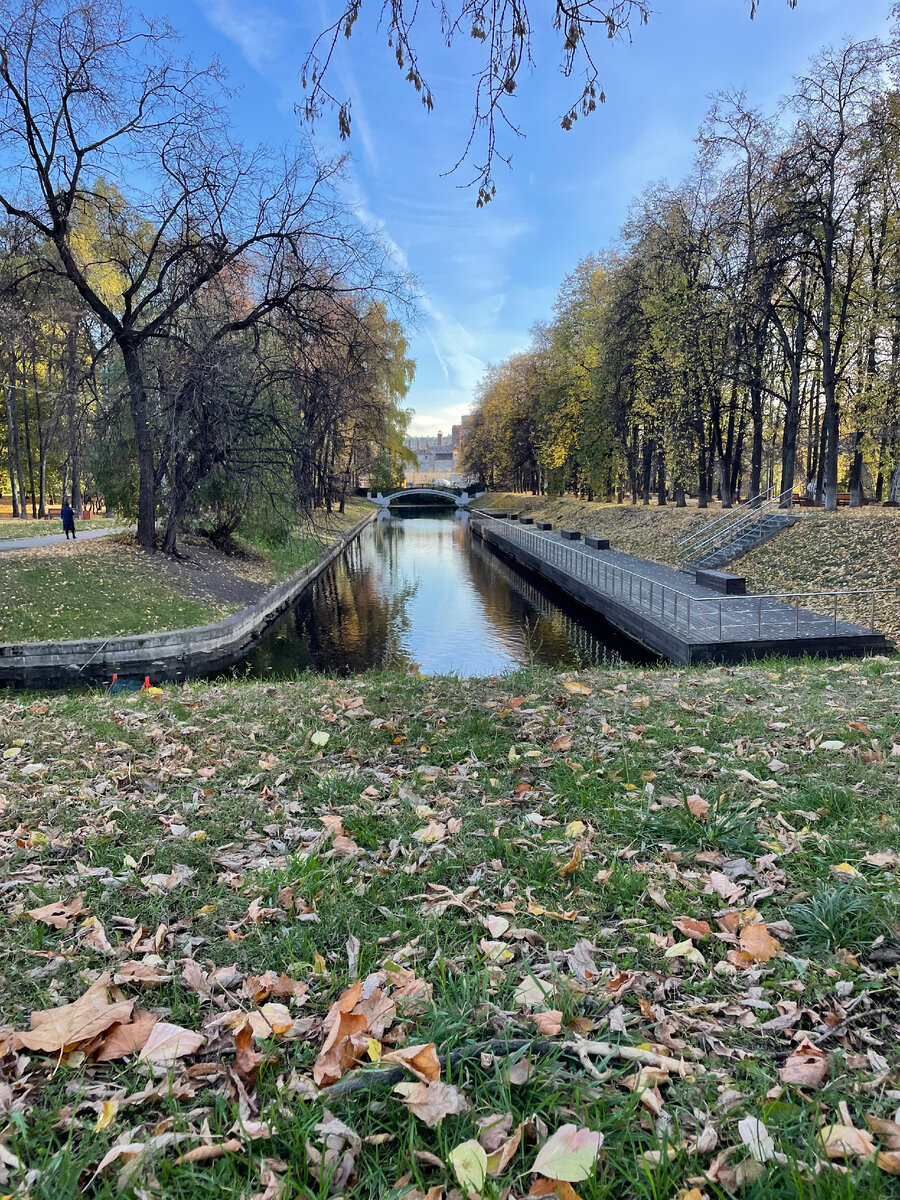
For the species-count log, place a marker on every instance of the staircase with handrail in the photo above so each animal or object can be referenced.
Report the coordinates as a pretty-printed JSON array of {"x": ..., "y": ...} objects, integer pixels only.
[{"x": 737, "y": 532}]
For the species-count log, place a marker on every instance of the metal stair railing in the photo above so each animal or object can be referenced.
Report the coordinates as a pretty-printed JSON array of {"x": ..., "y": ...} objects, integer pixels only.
[
  {"x": 748, "y": 520},
  {"x": 728, "y": 516}
]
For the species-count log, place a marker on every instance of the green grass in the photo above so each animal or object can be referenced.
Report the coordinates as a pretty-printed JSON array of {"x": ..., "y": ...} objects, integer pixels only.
[
  {"x": 10, "y": 529},
  {"x": 95, "y": 589},
  {"x": 295, "y": 549},
  {"x": 516, "y": 761}
]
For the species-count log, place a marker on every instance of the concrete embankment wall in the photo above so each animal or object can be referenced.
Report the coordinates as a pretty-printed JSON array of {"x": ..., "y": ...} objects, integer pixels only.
[{"x": 176, "y": 654}]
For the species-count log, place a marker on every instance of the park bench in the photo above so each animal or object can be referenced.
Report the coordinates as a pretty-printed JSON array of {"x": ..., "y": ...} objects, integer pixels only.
[
  {"x": 721, "y": 581},
  {"x": 596, "y": 543},
  {"x": 545, "y": 525},
  {"x": 570, "y": 535}
]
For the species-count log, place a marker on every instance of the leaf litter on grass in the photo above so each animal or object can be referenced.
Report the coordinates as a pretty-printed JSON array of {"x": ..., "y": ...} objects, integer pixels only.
[{"x": 233, "y": 950}]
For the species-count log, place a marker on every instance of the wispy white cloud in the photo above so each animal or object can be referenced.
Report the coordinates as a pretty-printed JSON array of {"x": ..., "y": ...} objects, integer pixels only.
[{"x": 266, "y": 39}]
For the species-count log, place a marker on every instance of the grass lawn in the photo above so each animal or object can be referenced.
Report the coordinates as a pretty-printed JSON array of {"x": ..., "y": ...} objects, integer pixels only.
[
  {"x": 10, "y": 529},
  {"x": 307, "y": 541},
  {"x": 659, "y": 905},
  {"x": 89, "y": 589},
  {"x": 107, "y": 586}
]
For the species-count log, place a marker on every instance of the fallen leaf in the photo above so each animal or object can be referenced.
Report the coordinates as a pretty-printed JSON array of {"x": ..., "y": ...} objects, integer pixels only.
[
  {"x": 431, "y": 1102},
  {"x": 807, "y": 1066},
  {"x": 845, "y": 1141},
  {"x": 59, "y": 915},
  {"x": 122, "y": 1040},
  {"x": 167, "y": 1043},
  {"x": 569, "y": 1154},
  {"x": 756, "y": 1137},
  {"x": 469, "y": 1163},
  {"x": 421, "y": 1061},
  {"x": 59, "y": 1030},
  {"x": 577, "y": 689},
  {"x": 758, "y": 943},
  {"x": 697, "y": 930}
]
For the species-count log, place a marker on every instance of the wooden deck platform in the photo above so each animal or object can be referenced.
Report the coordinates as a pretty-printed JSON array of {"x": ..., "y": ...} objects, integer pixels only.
[{"x": 667, "y": 612}]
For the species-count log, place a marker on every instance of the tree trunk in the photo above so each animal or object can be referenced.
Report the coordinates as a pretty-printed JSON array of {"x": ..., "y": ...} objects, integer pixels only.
[
  {"x": 661, "y": 480},
  {"x": 29, "y": 458},
  {"x": 857, "y": 498},
  {"x": 146, "y": 523},
  {"x": 12, "y": 411}
]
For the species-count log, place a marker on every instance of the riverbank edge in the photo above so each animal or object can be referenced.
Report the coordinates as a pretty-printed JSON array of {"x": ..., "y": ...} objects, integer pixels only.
[{"x": 171, "y": 654}]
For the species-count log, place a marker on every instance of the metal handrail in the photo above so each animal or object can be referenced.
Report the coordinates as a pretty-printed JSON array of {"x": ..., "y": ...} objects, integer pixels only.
[
  {"x": 615, "y": 580},
  {"x": 748, "y": 518},
  {"x": 690, "y": 537}
]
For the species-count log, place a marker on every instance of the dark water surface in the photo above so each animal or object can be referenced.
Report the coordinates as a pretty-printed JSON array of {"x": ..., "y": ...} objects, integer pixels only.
[{"x": 418, "y": 588}]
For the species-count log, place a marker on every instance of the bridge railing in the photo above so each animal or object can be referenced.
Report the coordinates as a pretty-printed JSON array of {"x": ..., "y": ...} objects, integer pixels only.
[{"x": 778, "y": 614}]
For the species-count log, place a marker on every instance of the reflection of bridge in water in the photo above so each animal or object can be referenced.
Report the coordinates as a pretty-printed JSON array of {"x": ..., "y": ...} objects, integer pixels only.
[{"x": 457, "y": 496}]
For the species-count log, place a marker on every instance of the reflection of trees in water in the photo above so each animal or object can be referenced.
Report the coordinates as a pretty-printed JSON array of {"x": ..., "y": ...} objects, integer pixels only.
[
  {"x": 345, "y": 623},
  {"x": 357, "y": 614},
  {"x": 551, "y": 635}
]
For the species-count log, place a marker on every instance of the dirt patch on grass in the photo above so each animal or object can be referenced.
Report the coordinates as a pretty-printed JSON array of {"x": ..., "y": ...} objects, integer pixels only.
[{"x": 206, "y": 575}]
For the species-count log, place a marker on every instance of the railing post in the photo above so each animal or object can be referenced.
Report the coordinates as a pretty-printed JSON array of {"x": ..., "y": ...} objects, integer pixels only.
[
  {"x": 796, "y": 618},
  {"x": 759, "y": 617},
  {"x": 873, "y": 612},
  {"x": 720, "y": 620},
  {"x": 689, "y": 614},
  {"x": 834, "y": 631}
]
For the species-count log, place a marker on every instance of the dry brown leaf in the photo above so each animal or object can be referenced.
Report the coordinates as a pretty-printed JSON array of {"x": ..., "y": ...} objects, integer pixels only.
[
  {"x": 168, "y": 1042},
  {"x": 807, "y": 1066},
  {"x": 59, "y": 1030},
  {"x": 573, "y": 864},
  {"x": 57, "y": 914},
  {"x": 845, "y": 1141},
  {"x": 421, "y": 1061},
  {"x": 246, "y": 1060},
  {"x": 549, "y": 1023},
  {"x": 207, "y": 1153},
  {"x": 122, "y": 1040},
  {"x": 433, "y": 1101},
  {"x": 889, "y": 1161},
  {"x": 340, "y": 1052},
  {"x": 699, "y": 807},
  {"x": 887, "y": 1131},
  {"x": 696, "y": 930},
  {"x": 758, "y": 943}
]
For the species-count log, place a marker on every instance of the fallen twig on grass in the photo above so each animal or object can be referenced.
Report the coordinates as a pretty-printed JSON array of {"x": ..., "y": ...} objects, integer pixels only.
[{"x": 576, "y": 1051}]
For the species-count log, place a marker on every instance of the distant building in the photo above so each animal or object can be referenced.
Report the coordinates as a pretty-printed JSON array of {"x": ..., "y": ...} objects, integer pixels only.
[{"x": 455, "y": 434}]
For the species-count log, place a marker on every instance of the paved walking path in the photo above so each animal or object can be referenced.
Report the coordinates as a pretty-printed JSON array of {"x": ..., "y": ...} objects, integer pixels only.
[{"x": 53, "y": 539}]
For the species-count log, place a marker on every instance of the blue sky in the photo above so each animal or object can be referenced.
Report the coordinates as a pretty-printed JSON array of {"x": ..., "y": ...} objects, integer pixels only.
[{"x": 488, "y": 275}]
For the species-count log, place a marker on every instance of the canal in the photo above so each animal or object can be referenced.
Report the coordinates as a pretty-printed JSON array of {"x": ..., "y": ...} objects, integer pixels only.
[{"x": 417, "y": 590}]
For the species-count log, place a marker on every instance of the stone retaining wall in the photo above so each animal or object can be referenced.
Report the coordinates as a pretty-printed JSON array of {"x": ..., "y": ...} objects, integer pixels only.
[{"x": 172, "y": 655}]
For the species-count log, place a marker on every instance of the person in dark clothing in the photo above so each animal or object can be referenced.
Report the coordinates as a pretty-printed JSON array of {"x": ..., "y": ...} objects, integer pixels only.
[{"x": 68, "y": 519}]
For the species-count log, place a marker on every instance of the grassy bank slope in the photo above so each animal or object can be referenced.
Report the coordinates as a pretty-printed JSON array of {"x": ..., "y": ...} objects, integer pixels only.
[
  {"x": 108, "y": 586},
  {"x": 650, "y": 532},
  {"x": 700, "y": 865}
]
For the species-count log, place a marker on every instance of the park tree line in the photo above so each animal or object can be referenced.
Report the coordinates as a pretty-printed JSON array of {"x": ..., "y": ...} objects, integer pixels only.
[
  {"x": 744, "y": 335},
  {"x": 188, "y": 326}
]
